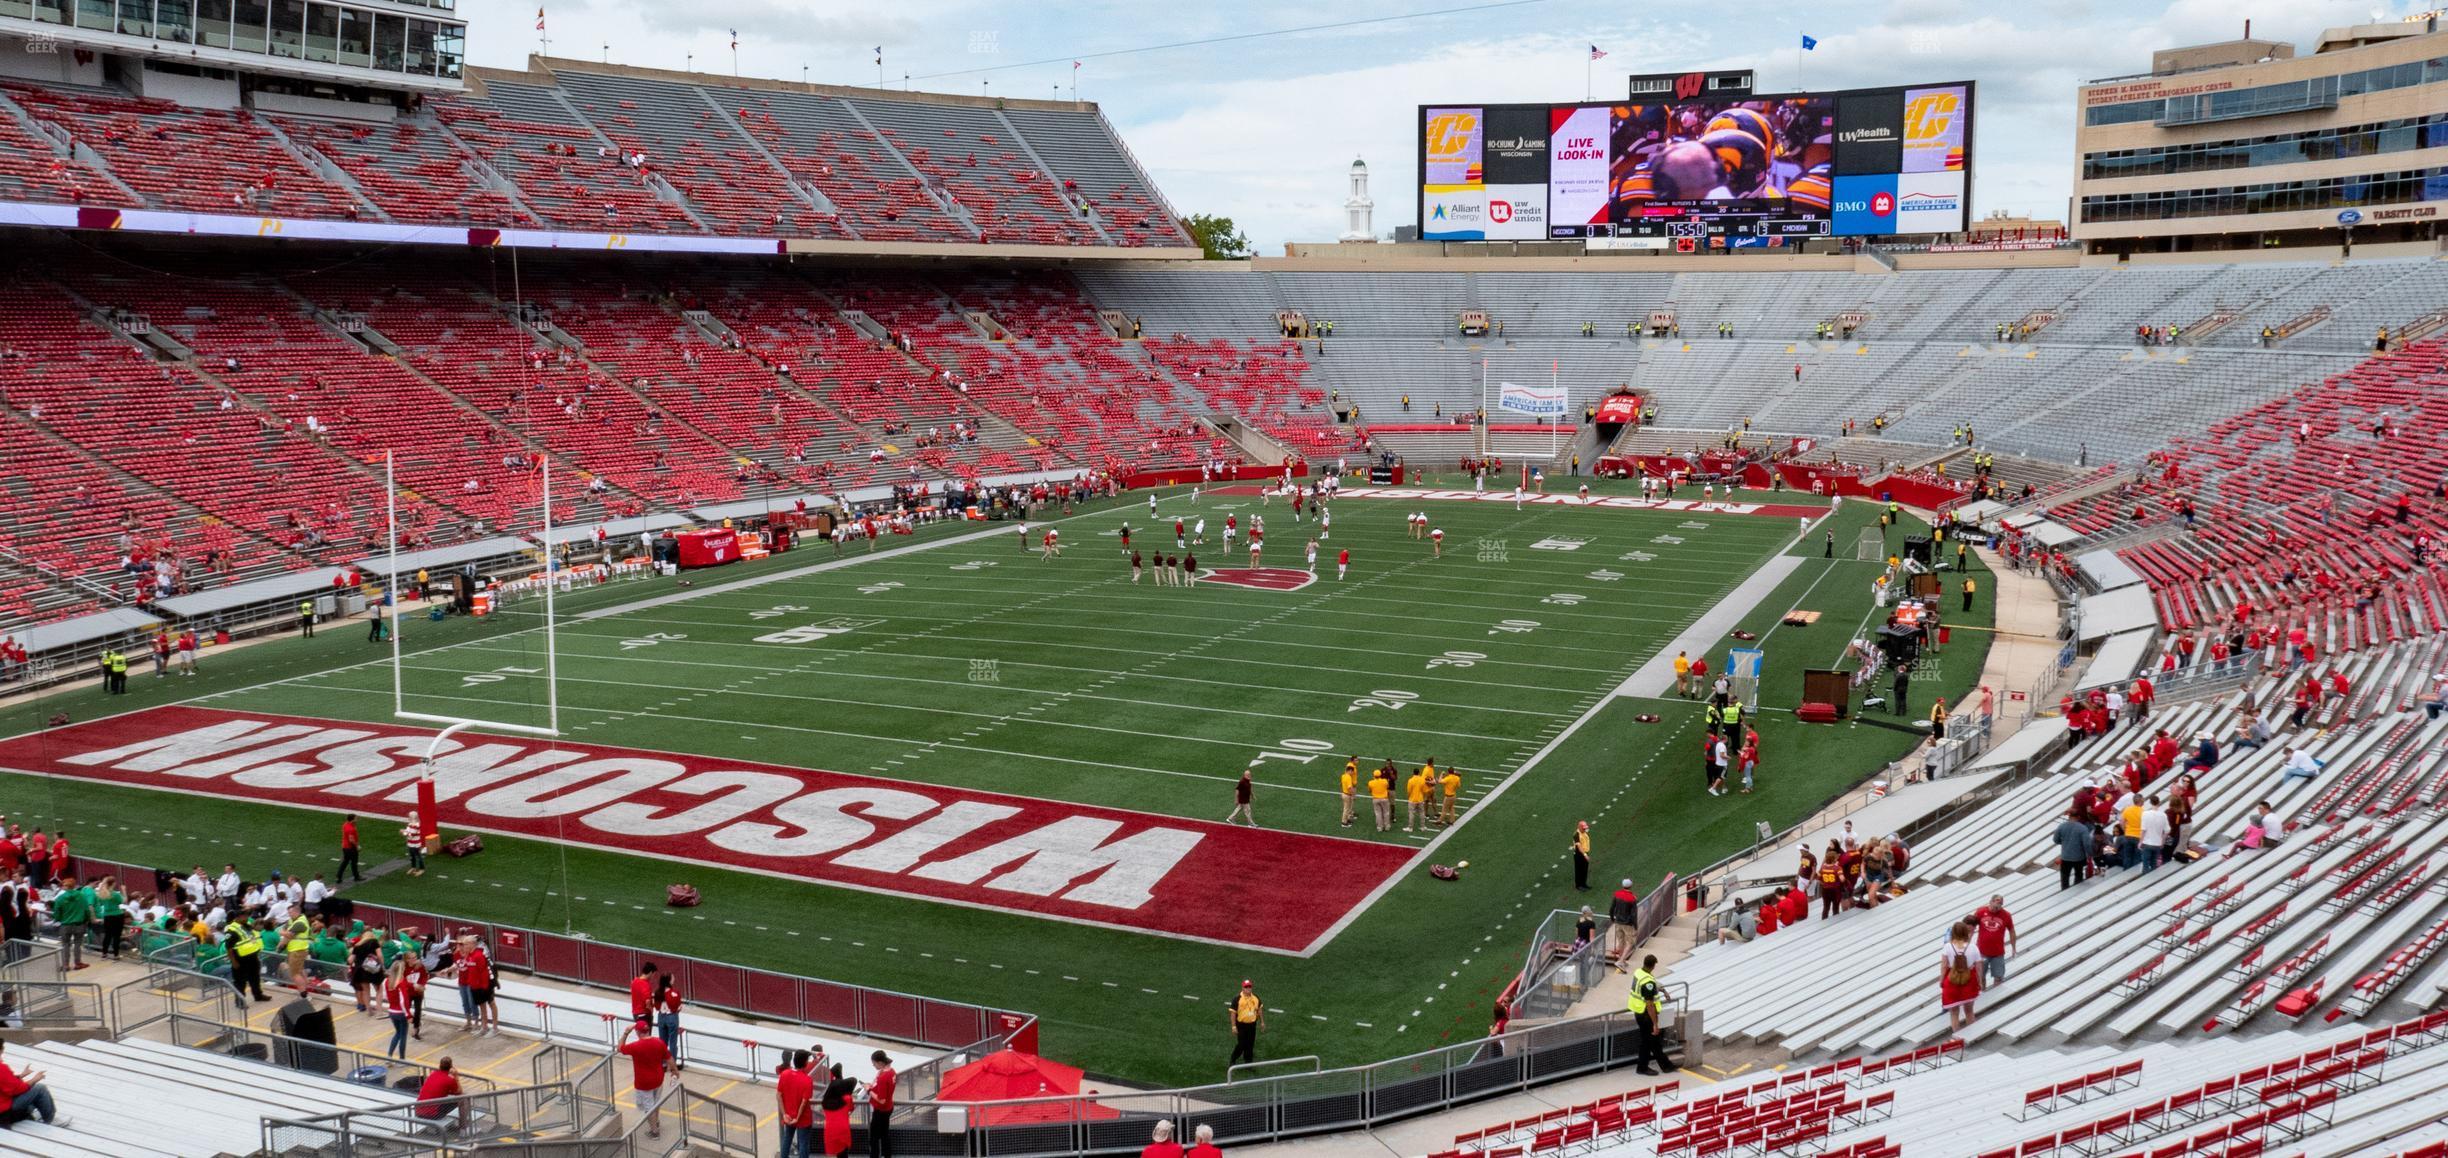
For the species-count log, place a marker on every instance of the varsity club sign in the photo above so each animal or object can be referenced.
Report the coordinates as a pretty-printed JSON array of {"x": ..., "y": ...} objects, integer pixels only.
[{"x": 1254, "y": 888}]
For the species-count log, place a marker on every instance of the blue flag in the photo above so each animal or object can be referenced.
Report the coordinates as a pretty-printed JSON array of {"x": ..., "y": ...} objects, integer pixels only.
[{"x": 1809, "y": 42}]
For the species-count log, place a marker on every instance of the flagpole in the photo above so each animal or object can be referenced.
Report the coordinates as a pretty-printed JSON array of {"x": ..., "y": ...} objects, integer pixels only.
[{"x": 1555, "y": 382}]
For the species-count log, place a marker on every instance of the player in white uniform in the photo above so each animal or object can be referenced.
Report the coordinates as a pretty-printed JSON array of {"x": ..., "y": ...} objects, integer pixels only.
[
  {"x": 1053, "y": 544},
  {"x": 1436, "y": 537},
  {"x": 1151, "y": 504},
  {"x": 1585, "y": 492},
  {"x": 1198, "y": 532},
  {"x": 1325, "y": 524},
  {"x": 1517, "y": 496},
  {"x": 1228, "y": 536},
  {"x": 1313, "y": 556},
  {"x": 1024, "y": 538}
]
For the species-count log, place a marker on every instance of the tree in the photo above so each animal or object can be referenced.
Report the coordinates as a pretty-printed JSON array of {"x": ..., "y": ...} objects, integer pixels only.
[{"x": 1217, "y": 236}]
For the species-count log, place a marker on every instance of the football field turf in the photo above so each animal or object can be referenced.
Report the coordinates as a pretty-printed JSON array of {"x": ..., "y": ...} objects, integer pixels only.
[{"x": 957, "y": 769}]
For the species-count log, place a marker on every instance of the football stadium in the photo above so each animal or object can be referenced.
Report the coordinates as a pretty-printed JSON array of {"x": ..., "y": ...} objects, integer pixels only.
[{"x": 605, "y": 609}]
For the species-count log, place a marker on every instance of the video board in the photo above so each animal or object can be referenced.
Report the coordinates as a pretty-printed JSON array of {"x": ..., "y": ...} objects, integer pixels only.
[{"x": 1743, "y": 171}]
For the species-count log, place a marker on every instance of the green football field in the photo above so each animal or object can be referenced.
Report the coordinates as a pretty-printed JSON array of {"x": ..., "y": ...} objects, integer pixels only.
[{"x": 956, "y": 661}]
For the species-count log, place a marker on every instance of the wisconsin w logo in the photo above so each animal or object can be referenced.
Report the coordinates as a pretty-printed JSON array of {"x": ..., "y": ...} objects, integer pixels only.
[
  {"x": 1688, "y": 85},
  {"x": 1262, "y": 578}
]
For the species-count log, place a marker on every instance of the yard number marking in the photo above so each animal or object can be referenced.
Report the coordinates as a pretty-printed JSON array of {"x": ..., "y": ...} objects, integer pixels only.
[{"x": 1389, "y": 700}]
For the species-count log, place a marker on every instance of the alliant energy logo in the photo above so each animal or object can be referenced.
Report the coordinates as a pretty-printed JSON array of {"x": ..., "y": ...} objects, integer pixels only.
[{"x": 1101, "y": 866}]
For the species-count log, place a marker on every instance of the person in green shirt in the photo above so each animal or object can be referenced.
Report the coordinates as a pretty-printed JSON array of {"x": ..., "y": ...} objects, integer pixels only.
[
  {"x": 110, "y": 905},
  {"x": 329, "y": 948},
  {"x": 73, "y": 907}
]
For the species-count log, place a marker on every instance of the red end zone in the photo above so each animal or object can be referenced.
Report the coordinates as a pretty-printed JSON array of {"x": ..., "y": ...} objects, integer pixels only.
[{"x": 1100, "y": 866}]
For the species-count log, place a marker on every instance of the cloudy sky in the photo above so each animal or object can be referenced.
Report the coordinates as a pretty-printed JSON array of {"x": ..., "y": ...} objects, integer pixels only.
[{"x": 1261, "y": 128}]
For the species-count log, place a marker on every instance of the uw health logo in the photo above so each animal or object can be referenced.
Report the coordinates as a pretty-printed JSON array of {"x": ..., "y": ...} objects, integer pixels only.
[{"x": 1262, "y": 578}]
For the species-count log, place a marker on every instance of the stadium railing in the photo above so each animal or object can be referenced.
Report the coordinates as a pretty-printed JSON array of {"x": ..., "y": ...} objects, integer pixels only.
[
  {"x": 1557, "y": 973},
  {"x": 805, "y": 1001},
  {"x": 54, "y": 1005},
  {"x": 1269, "y": 1109},
  {"x": 291, "y": 1053},
  {"x": 574, "y": 1110}
]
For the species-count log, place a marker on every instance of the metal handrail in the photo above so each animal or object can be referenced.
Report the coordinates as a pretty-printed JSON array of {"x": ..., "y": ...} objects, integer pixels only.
[{"x": 1233, "y": 1073}]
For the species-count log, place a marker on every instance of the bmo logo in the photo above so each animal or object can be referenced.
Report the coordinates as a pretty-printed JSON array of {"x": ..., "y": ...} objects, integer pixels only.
[
  {"x": 1882, "y": 204},
  {"x": 1500, "y": 212}
]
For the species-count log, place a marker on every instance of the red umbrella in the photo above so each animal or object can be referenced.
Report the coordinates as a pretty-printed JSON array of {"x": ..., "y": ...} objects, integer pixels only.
[{"x": 1008, "y": 1074}]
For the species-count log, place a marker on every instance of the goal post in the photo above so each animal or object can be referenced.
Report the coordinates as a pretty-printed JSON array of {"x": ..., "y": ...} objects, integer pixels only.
[
  {"x": 399, "y": 685},
  {"x": 1872, "y": 547}
]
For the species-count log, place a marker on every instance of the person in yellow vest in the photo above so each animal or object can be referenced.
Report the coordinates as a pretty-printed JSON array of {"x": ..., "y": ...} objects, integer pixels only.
[
  {"x": 296, "y": 937},
  {"x": 119, "y": 669},
  {"x": 1646, "y": 1002},
  {"x": 1381, "y": 796},
  {"x": 1581, "y": 856},
  {"x": 1415, "y": 795},
  {"x": 1968, "y": 588},
  {"x": 1452, "y": 784},
  {"x": 1732, "y": 717},
  {"x": 306, "y": 616},
  {"x": 1247, "y": 1016},
  {"x": 245, "y": 947},
  {"x": 1350, "y": 784}
]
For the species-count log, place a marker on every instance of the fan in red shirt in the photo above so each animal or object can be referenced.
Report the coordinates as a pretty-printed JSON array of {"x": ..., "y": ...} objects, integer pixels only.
[
  {"x": 1994, "y": 936},
  {"x": 642, "y": 995},
  {"x": 648, "y": 1060},
  {"x": 439, "y": 1093},
  {"x": 795, "y": 1096}
]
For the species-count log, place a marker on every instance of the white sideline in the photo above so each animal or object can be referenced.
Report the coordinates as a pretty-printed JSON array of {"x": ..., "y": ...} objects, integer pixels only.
[{"x": 1656, "y": 677}]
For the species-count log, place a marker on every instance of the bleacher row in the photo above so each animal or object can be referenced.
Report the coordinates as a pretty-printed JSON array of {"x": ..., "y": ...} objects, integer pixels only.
[
  {"x": 135, "y": 1098},
  {"x": 2297, "y": 508},
  {"x": 2332, "y": 1092},
  {"x": 662, "y": 387},
  {"x": 555, "y": 149}
]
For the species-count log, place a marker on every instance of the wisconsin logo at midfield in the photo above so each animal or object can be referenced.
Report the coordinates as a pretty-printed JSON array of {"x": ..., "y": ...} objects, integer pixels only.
[{"x": 1262, "y": 578}]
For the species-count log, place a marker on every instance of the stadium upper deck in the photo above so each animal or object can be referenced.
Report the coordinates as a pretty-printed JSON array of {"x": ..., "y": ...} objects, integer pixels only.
[{"x": 582, "y": 147}]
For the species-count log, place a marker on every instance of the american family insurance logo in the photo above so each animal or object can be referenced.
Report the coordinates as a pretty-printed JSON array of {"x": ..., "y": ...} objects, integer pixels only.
[{"x": 1275, "y": 891}]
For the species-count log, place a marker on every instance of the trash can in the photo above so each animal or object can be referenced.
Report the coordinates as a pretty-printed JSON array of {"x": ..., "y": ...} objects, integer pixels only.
[{"x": 376, "y": 1076}]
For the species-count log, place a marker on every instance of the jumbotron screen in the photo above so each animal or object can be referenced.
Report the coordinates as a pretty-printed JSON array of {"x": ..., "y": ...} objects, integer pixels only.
[{"x": 1736, "y": 172}]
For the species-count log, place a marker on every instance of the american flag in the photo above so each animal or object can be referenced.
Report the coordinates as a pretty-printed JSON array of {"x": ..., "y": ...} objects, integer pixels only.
[{"x": 1597, "y": 53}]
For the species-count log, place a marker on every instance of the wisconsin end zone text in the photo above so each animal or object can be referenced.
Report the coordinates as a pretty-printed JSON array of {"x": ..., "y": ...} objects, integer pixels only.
[{"x": 1273, "y": 891}]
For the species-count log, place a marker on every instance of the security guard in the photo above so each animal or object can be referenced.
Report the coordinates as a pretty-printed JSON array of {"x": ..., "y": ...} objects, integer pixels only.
[
  {"x": 1895, "y": 514},
  {"x": 245, "y": 947},
  {"x": 115, "y": 665},
  {"x": 297, "y": 937},
  {"x": 1968, "y": 589},
  {"x": 1247, "y": 1015},
  {"x": 1645, "y": 1002},
  {"x": 306, "y": 618},
  {"x": 1732, "y": 717},
  {"x": 1349, "y": 785}
]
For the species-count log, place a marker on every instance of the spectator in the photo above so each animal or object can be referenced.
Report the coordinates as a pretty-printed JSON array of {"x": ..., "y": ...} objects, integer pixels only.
[
  {"x": 1585, "y": 928},
  {"x": 1205, "y": 1147},
  {"x": 648, "y": 1062},
  {"x": 1623, "y": 911},
  {"x": 24, "y": 1096},
  {"x": 1742, "y": 926},
  {"x": 2154, "y": 834},
  {"x": 795, "y": 1099},
  {"x": 2300, "y": 763},
  {"x": 1162, "y": 1144},
  {"x": 838, "y": 1094},
  {"x": 1995, "y": 938},
  {"x": 880, "y": 1106},
  {"x": 440, "y": 1093},
  {"x": 1959, "y": 974},
  {"x": 2074, "y": 848}
]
